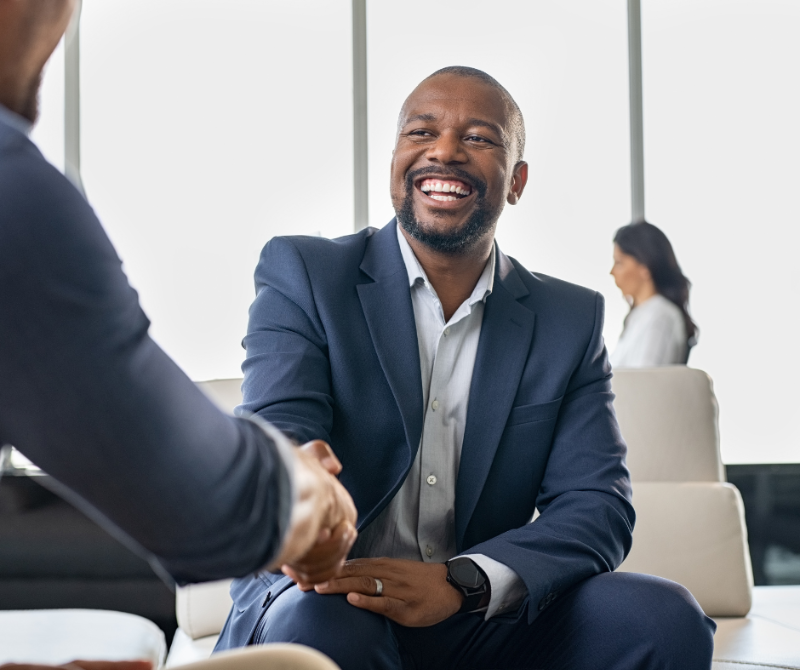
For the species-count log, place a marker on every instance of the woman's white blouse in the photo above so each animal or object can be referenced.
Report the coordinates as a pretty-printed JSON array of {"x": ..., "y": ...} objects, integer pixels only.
[{"x": 654, "y": 335}]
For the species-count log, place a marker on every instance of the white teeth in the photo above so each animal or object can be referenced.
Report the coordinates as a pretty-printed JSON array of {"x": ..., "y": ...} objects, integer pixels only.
[
  {"x": 439, "y": 187},
  {"x": 444, "y": 198}
]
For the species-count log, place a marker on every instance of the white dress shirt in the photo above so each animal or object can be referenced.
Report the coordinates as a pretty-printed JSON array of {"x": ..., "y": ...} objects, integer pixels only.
[
  {"x": 419, "y": 522},
  {"x": 654, "y": 335}
]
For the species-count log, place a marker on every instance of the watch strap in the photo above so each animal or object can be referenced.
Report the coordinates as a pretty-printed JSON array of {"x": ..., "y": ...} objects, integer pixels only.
[{"x": 473, "y": 594}]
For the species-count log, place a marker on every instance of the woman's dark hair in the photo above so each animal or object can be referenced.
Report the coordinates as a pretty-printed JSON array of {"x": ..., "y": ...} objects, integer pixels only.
[{"x": 648, "y": 245}]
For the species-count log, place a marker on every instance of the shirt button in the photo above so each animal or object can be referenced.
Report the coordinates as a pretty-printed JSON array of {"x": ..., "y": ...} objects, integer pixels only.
[
  {"x": 447, "y": 331},
  {"x": 435, "y": 405},
  {"x": 429, "y": 552},
  {"x": 431, "y": 479}
]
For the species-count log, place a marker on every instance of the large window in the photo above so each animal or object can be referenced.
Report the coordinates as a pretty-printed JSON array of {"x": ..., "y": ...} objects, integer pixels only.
[
  {"x": 208, "y": 127},
  {"x": 48, "y": 133},
  {"x": 722, "y": 142},
  {"x": 566, "y": 65}
]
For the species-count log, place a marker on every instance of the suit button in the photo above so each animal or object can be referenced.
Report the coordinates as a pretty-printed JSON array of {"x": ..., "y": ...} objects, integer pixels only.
[
  {"x": 429, "y": 552},
  {"x": 549, "y": 598},
  {"x": 266, "y": 598}
]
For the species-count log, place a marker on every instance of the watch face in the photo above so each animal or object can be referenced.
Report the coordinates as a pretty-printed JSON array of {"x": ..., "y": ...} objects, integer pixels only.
[{"x": 465, "y": 572}]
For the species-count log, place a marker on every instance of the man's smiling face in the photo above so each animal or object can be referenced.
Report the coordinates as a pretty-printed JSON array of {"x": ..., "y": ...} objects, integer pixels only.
[{"x": 454, "y": 165}]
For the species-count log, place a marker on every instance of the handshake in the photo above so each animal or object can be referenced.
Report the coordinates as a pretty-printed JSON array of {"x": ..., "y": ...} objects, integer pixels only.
[{"x": 322, "y": 526}]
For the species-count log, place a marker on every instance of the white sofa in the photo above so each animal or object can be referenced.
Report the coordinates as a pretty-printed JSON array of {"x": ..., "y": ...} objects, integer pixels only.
[{"x": 690, "y": 525}]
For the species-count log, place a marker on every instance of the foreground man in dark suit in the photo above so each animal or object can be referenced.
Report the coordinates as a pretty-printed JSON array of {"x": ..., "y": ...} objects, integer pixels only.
[
  {"x": 460, "y": 392},
  {"x": 90, "y": 398}
]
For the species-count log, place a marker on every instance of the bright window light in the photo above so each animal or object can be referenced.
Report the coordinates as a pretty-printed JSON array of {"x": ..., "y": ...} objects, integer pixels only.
[
  {"x": 48, "y": 133},
  {"x": 207, "y": 128},
  {"x": 566, "y": 64},
  {"x": 721, "y": 147}
]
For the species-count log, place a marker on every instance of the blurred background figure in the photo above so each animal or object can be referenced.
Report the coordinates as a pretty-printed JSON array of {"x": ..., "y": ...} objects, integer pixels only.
[{"x": 658, "y": 330}]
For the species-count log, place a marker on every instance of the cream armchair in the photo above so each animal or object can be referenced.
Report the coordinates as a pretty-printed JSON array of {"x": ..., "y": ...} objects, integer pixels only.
[{"x": 690, "y": 525}]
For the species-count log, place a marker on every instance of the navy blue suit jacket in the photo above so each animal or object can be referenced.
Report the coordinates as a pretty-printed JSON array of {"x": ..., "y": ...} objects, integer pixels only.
[
  {"x": 90, "y": 398},
  {"x": 332, "y": 354}
]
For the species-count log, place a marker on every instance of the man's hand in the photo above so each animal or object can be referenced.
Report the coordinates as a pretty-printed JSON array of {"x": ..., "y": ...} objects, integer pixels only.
[
  {"x": 322, "y": 527},
  {"x": 415, "y": 594}
]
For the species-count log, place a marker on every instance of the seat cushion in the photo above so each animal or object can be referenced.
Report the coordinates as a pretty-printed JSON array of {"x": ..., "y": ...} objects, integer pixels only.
[
  {"x": 769, "y": 637},
  {"x": 185, "y": 650},
  {"x": 693, "y": 533},
  {"x": 59, "y": 636}
]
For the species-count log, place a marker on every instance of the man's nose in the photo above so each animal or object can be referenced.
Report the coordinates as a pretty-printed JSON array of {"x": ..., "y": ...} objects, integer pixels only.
[{"x": 447, "y": 149}]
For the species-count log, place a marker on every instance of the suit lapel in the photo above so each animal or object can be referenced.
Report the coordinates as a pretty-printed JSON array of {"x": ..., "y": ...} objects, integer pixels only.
[
  {"x": 503, "y": 348},
  {"x": 387, "y": 307}
]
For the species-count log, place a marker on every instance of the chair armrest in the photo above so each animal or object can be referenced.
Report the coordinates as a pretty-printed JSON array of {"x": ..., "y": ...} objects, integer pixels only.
[{"x": 202, "y": 609}]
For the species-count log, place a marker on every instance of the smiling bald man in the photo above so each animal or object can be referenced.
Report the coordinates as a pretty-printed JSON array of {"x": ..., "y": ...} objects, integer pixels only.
[{"x": 461, "y": 392}]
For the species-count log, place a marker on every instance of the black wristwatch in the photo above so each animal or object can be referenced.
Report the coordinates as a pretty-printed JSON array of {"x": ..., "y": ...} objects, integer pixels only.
[{"x": 466, "y": 577}]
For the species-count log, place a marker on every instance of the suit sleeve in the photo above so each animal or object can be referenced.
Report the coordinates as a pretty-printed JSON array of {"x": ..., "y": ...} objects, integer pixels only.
[
  {"x": 287, "y": 378},
  {"x": 586, "y": 518},
  {"x": 88, "y": 396}
]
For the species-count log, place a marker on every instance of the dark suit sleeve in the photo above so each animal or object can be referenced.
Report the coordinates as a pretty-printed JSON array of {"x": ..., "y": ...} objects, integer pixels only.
[
  {"x": 586, "y": 518},
  {"x": 90, "y": 398},
  {"x": 287, "y": 378}
]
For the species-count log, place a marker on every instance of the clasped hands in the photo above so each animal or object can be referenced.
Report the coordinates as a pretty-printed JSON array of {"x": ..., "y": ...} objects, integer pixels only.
[
  {"x": 322, "y": 526},
  {"x": 321, "y": 534}
]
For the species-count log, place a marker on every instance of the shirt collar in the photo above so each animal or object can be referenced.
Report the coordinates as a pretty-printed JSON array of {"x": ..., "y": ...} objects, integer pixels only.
[
  {"x": 417, "y": 275},
  {"x": 14, "y": 120}
]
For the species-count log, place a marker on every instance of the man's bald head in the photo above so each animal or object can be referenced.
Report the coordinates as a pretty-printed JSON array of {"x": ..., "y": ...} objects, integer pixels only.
[{"x": 515, "y": 120}]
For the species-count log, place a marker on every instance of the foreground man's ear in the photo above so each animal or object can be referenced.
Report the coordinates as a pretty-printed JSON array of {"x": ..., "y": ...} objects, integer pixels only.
[{"x": 518, "y": 183}]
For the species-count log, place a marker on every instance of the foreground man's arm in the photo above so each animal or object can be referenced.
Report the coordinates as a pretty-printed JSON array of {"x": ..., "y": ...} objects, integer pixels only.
[{"x": 90, "y": 398}]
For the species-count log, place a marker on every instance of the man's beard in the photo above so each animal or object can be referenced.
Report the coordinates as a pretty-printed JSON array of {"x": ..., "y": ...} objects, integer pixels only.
[{"x": 454, "y": 242}]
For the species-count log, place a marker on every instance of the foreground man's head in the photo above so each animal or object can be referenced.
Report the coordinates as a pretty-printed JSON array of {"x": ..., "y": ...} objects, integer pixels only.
[
  {"x": 457, "y": 160},
  {"x": 29, "y": 33}
]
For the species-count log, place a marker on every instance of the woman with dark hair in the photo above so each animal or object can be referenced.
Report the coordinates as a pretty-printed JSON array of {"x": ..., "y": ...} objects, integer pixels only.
[{"x": 658, "y": 329}]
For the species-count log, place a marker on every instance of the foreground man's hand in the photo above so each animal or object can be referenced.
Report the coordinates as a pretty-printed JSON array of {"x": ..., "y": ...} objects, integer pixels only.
[
  {"x": 415, "y": 594},
  {"x": 322, "y": 528}
]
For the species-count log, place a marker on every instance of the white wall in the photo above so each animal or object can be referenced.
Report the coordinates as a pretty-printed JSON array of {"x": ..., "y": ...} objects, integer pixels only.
[{"x": 722, "y": 141}]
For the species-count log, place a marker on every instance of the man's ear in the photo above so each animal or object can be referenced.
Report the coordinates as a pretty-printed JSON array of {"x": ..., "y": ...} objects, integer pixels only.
[{"x": 518, "y": 182}]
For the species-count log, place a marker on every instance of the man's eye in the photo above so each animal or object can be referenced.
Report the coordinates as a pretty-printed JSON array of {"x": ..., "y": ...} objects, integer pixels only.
[
  {"x": 419, "y": 133},
  {"x": 478, "y": 138}
]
